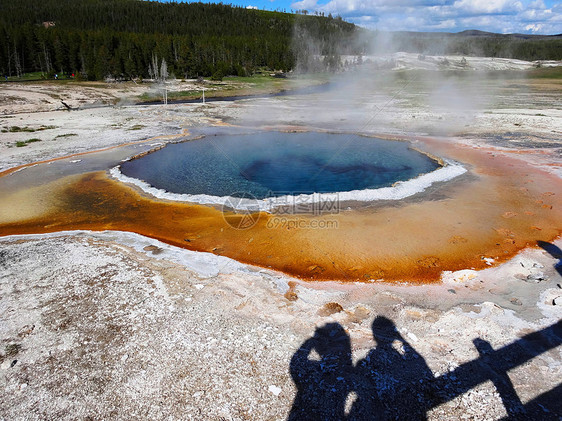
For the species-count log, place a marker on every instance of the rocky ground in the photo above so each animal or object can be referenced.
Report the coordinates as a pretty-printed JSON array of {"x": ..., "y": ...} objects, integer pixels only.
[{"x": 116, "y": 325}]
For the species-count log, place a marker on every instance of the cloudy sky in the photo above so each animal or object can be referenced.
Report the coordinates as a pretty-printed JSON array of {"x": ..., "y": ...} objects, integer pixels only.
[{"x": 503, "y": 16}]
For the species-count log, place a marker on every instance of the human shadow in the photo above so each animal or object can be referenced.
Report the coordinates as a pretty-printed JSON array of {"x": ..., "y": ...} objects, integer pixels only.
[
  {"x": 554, "y": 251},
  {"x": 394, "y": 381},
  {"x": 321, "y": 369}
]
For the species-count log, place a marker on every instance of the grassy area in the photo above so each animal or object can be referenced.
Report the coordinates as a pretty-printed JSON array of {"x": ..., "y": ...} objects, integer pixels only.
[
  {"x": 258, "y": 84},
  {"x": 178, "y": 95},
  {"x": 545, "y": 73},
  {"x": 34, "y": 76},
  {"x": 22, "y": 143},
  {"x": 256, "y": 79},
  {"x": 172, "y": 95},
  {"x": 18, "y": 129},
  {"x": 24, "y": 77}
]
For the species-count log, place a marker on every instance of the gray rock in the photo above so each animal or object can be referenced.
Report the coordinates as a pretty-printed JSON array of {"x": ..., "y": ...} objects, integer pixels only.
[
  {"x": 536, "y": 277},
  {"x": 516, "y": 301},
  {"x": 557, "y": 301}
]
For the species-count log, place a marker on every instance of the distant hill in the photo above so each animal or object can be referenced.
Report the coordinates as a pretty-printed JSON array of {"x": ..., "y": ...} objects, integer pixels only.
[
  {"x": 473, "y": 33},
  {"x": 130, "y": 38},
  {"x": 133, "y": 38},
  {"x": 476, "y": 33},
  {"x": 471, "y": 43}
]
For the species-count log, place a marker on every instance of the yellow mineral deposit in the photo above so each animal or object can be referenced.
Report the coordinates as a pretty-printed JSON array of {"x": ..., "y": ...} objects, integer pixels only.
[{"x": 501, "y": 207}]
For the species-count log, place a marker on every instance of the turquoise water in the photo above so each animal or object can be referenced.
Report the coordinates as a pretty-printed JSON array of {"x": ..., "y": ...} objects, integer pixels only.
[{"x": 272, "y": 163}]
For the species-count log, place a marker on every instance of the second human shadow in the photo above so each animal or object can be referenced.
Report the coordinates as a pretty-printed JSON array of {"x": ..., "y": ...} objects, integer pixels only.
[{"x": 393, "y": 382}]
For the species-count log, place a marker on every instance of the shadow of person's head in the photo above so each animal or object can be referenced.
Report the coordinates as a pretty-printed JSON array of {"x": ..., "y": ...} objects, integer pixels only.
[
  {"x": 332, "y": 339},
  {"x": 384, "y": 330}
]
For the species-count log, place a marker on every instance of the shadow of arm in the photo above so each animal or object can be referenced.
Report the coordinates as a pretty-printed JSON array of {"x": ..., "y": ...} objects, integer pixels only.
[{"x": 471, "y": 374}]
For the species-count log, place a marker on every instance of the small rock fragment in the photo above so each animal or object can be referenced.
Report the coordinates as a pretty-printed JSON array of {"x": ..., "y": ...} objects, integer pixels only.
[
  {"x": 153, "y": 249},
  {"x": 412, "y": 336},
  {"x": 329, "y": 308},
  {"x": 361, "y": 312},
  {"x": 275, "y": 390},
  {"x": 488, "y": 260},
  {"x": 26, "y": 330},
  {"x": 291, "y": 295},
  {"x": 535, "y": 277},
  {"x": 358, "y": 315},
  {"x": 516, "y": 301}
]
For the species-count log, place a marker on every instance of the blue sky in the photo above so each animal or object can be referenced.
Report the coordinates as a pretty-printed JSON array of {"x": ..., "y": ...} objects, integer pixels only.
[{"x": 503, "y": 16}]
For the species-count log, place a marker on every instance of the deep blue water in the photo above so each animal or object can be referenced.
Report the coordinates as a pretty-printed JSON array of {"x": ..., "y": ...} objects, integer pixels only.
[{"x": 278, "y": 163}]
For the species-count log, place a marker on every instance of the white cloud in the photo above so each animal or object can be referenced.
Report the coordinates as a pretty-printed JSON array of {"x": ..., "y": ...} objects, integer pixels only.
[
  {"x": 445, "y": 24},
  {"x": 488, "y": 6},
  {"x": 536, "y": 27},
  {"x": 531, "y": 16},
  {"x": 536, "y": 15},
  {"x": 251, "y": 7},
  {"x": 304, "y": 5},
  {"x": 538, "y": 4}
]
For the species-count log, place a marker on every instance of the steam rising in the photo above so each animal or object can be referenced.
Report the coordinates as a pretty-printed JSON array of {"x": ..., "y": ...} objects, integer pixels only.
[
  {"x": 375, "y": 88},
  {"x": 369, "y": 89}
]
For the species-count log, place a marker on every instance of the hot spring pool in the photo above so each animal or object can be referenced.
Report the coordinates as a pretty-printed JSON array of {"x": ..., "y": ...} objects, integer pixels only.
[{"x": 273, "y": 164}]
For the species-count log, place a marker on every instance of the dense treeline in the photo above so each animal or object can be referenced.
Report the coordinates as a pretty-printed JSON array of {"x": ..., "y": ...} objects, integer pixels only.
[
  {"x": 473, "y": 43},
  {"x": 133, "y": 38}
]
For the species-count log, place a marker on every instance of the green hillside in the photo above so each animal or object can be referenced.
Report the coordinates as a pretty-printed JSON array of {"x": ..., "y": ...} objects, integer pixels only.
[
  {"x": 473, "y": 43},
  {"x": 130, "y": 38},
  {"x": 133, "y": 38}
]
